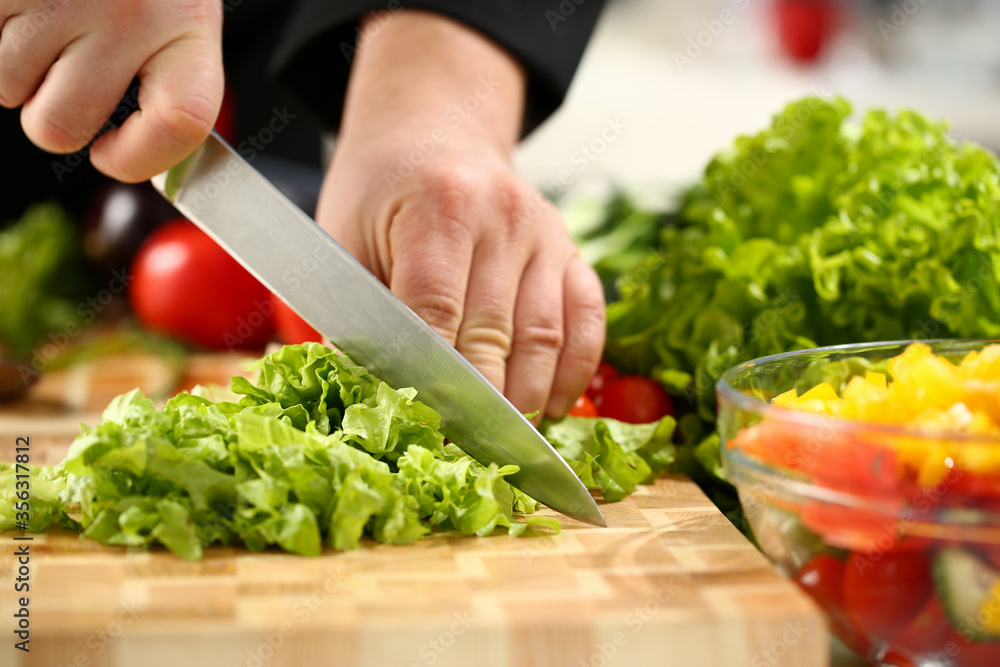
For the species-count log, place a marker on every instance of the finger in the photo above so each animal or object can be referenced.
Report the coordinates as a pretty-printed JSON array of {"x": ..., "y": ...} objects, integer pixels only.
[
  {"x": 78, "y": 95},
  {"x": 538, "y": 334},
  {"x": 29, "y": 43},
  {"x": 487, "y": 330},
  {"x": 584, "y": 336},
  {"x": 432, "y": 256},
  {"x": 179, "y": 98}
]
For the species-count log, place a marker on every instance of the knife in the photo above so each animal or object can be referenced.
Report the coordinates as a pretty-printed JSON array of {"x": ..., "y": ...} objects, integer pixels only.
[{"x": 289, "y": 253}]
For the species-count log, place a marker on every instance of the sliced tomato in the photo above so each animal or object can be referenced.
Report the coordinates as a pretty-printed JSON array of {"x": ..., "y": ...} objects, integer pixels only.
[
  {"x": 584, "y": 407},
  {"x": 884, "y": 591}
]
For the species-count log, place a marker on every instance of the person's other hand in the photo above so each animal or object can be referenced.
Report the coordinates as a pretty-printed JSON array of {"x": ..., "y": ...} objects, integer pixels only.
[
  {"x": 422, "y": 192},
  {"x": 68, "y": 63}
]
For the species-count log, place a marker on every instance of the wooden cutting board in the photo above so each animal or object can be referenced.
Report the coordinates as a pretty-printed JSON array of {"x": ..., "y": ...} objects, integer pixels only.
[{"x": 669, "y": 582}]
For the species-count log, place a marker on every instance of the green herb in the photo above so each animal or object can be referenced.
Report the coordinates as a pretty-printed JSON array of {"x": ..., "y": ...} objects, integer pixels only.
[
  {"x": 44, "y": 277},
  {"x": 815, "y": 231}
]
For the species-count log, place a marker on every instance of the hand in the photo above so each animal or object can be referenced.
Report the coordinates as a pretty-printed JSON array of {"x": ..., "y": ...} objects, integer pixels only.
[
  {"x": 430, "y": 203},
  {"x": 70, "y": 62}
]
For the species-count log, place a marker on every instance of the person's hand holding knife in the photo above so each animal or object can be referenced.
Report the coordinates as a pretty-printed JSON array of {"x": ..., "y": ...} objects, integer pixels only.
[{"x": 471, "y": 248}]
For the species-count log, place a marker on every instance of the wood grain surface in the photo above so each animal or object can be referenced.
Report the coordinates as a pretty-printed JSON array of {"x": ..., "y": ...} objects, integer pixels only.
[{"x": 669, "y": 582}]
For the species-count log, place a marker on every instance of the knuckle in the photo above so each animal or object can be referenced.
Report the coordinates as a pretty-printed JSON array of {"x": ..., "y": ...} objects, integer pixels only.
[
  {"x": 52, "y": 133},
  {"x": 449, "y": 190},
  {"x": 187, "y": 120},
  {"x": 486, "y": 336},
  {"x": 442, "y": 310},
  {"x": 544, "y": 333}
]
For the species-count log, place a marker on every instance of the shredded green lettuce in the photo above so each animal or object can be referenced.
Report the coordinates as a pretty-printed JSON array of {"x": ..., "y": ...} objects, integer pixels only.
[
  {"x": 612, "y": 456},
  {"x": 318, "y": 451},
  {"x": 815, "y": 231}
]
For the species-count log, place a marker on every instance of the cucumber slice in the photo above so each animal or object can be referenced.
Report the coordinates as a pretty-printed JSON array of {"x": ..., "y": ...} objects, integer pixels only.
[{"x": 966, "y": 585}]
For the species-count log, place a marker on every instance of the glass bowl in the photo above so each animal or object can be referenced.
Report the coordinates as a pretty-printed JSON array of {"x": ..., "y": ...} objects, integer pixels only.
[{"x": 893, "y": 530}]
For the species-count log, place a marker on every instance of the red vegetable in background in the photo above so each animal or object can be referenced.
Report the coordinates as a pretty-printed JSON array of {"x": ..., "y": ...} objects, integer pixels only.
[
  {"x": 185, "y": 285},
  {"x": 584, "y": 407},
  {"x": 634, "y": 399},
  {"x": 883, "y": 591},
  {"x": 290, "y": 328},
  {"x": 605, "y": 373}
]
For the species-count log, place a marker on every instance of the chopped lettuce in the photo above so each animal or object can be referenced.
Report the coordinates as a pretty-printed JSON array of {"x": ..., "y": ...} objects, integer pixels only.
[
  {"x": 612, "y": 456},
  {"x": 318, "y": 451}
]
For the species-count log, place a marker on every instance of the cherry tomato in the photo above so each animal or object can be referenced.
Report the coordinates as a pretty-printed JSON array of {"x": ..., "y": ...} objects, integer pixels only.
[
  {"x": 822, "y": 577},
  {"x": 634, "y": 399},
  {"x": 884, "y": 591},
  {"x": 291, "y": 328},
  {"x": 925, "y": 635},
  {"x": 965, "y": 653},
  {"x": 584, "y": 407},
  {"x": 604, "y": 374},
  {"x": 185, "y": 285}
]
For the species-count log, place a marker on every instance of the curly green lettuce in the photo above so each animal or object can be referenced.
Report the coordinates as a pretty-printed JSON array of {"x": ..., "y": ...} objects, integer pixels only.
[
  {"x": 815, "y": 231},
  {"x": 318, "y": 451}
]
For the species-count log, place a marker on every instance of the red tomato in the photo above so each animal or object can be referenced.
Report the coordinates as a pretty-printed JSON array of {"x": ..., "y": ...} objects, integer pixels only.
[
  {"x": 805, "y": 26},
  {"x": 185, "y": 285},
  {"x": 291, "y": 328},
  {"x": 965, "y": 653},
  {"x": 584, "y": 407},
  {"x": 884, "y": 591},
  {"x": 926, "y": 635},
  {"x": 604, "y": 374},
  {"x": 822, "y": 577},
  {"x": 634, "y": 399}
]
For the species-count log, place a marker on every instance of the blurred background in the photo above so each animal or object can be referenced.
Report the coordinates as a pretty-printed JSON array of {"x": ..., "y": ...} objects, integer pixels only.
[{"x": 686, "y": 92}]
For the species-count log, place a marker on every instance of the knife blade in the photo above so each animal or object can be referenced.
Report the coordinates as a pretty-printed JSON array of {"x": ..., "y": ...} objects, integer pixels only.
[{"x": 289, "y": 253}]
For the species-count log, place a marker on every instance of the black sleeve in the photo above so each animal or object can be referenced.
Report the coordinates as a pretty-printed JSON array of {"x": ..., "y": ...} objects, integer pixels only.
[{"x": 548, "y": 37}]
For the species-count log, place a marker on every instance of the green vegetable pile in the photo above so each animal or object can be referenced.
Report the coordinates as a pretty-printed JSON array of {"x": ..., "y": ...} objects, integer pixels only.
[
  {"x": 317, "y": 451},
  {"x": 816, "y": 231},
  {"x": 44, "y": 276}
]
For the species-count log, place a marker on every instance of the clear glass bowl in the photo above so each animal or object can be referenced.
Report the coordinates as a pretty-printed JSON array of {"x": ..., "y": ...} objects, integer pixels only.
[{"x": 894, "y": 531}]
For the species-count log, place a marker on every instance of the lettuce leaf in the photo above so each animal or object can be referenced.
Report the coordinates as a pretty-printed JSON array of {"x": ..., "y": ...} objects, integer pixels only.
[
  {"x": 612, "y": 456},
  {"x": 815, "y": 231},
  {"x": 318, "y": 451}
]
